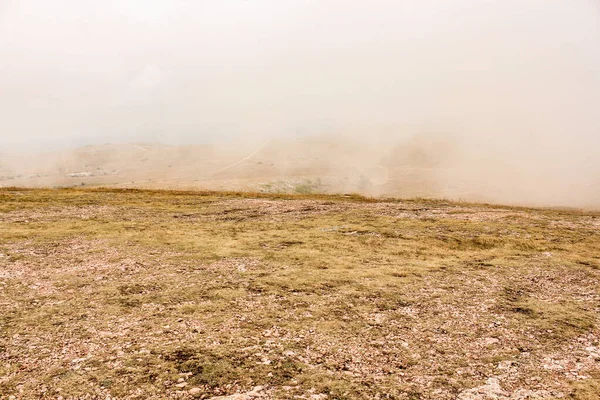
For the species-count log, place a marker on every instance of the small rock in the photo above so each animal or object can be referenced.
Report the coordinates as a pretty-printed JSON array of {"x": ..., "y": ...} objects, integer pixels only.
[
  {"x": 255, "y": 392},
  {"x": 491, "y": 390},
  {"x": 504, "y": 365},
  {"x": 490, "y": 341},
  {"x": 194, "y": 391}
]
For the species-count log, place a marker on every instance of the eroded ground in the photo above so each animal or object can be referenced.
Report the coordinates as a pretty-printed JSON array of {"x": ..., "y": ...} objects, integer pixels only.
[{"x": 152, "y": 295}]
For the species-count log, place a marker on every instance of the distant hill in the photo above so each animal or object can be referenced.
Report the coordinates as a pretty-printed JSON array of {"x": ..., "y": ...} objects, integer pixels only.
[{"x": 426, "y": 166}]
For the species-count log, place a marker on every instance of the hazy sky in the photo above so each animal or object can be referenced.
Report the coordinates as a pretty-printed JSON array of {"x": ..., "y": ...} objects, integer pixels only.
[{"x": 77, "y": 72}]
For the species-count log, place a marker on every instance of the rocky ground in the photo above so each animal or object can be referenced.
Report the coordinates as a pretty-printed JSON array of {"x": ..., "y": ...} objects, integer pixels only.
[{"x": 111, "y": 294}]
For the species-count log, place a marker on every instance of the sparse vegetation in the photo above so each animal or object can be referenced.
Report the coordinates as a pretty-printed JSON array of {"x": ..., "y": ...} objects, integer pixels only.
[
  {"x": 160, "y": 294},
  {"x": 305, "y": 186},
  {"x": 309, "y": 187}
]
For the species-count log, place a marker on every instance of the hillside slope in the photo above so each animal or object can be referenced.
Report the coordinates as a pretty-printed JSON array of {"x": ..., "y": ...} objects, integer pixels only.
[
  {"x": 423, "y": 166},
  {"x": 157, "y": 294}
]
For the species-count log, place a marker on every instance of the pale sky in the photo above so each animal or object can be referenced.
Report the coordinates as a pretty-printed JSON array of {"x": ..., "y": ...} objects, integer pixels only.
[{"x": 76, "y": 72}]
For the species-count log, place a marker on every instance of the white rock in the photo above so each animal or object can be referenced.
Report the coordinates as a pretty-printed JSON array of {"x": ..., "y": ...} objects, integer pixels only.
[
  {"x": 490, "y": 341},
  {"x": 490, "y": 391}
]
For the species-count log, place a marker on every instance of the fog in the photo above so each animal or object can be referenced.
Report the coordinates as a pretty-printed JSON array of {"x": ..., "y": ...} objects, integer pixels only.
[{"x": 506, "y": 92}]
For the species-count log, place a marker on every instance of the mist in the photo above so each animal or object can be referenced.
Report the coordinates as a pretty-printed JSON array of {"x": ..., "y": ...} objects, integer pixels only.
[{"x": 500, "y": 100}]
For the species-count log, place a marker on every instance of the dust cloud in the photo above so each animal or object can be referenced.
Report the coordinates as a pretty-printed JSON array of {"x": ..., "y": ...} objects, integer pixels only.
[{"x": 478, "y": 100}]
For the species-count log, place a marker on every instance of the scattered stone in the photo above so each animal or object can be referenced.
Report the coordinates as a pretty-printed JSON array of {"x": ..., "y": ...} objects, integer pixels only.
[
  {"x": 490, "y": 391},
  {"x": 491, "y": 341},
  {"x": 251, "y": 395},
  {"x": 194, "y": 391},
  {"x": 504, "y": 365}
]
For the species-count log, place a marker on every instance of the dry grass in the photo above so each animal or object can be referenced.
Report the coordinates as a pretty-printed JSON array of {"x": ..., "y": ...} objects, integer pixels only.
[{"x": 149, "y": 294}]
